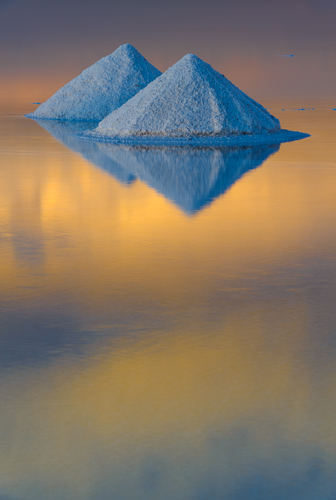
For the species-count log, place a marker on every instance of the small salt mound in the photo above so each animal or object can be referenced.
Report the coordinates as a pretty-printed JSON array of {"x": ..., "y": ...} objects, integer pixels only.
[
  {"x": 101, "y": 88},
  {"x": 191, "y": 99}
]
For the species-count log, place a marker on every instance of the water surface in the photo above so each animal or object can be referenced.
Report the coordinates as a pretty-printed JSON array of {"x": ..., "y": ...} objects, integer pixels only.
[{"x": 167, "y": 317}]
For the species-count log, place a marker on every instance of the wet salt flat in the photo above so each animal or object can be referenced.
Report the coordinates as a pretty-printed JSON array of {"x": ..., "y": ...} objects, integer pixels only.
[{"x": 167, "y": 316}]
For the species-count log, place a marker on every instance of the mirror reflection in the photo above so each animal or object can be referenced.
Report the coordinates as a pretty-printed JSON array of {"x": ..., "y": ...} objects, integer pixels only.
[{"x": 191, "y": 177}]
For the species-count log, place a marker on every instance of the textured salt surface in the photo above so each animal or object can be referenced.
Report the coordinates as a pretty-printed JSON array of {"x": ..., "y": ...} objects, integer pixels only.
[
  {"x": 101, "y": 88},
  {"x": 190, "y": 100},
  {"x": 214, "y": 141}
]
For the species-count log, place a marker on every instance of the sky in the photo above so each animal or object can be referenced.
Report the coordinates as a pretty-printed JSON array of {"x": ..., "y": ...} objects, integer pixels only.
[{"x": 46, "y": 43}]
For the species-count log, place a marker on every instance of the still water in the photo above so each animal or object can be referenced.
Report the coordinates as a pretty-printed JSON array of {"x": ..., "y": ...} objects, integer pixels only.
[{"x": 167, "y": 317}]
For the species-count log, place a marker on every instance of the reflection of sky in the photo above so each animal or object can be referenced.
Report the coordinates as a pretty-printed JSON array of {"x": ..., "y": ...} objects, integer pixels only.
[
  {"x": 227, "y": 416},
  {"x": 114, "y": 252},
  {"x": 146, "y": 354}
]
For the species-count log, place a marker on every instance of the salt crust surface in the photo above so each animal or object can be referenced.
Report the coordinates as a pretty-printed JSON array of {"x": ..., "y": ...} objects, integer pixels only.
[
  {"x": 101, "y": 88},
  {"x": 190, "y": 102}
]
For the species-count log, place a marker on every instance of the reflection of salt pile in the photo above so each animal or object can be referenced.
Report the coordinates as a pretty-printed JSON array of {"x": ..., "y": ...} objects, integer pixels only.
[
  {"x": 190, "y": 100},
  {"x": 101, "y": 88},
  {"x": 64, "y": 132},
  {"x": 191, "y": 177}
]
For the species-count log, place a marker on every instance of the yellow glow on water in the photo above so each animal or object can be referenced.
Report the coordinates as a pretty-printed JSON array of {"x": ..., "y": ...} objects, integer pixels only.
[
  {"x": 173, "y": 394},
  {"x": 69, "y": 205},
  {"x": 144, "y": 399}
]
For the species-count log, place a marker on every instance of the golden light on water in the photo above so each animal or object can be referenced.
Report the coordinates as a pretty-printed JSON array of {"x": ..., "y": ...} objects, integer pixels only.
[
  {"x": 192, "y": 343},
  {"x": 129, "y": 405},
  {"x": 268, "y": 217},
  {"x": 167, "y": 317}
]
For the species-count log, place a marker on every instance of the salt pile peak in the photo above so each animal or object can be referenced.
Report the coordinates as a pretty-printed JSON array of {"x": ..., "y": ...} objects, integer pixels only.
[
  {"x": 101, "y": 88},
  {"x": 189, "y": 99}
]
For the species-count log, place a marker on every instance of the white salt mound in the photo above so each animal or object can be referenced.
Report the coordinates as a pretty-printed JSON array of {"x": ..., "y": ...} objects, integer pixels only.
[
  {"x": 101, "y": 88},
  {"x": 191, "y": 99}
]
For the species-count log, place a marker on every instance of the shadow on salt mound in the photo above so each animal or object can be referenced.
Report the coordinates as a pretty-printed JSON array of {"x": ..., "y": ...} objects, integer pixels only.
[
  {"x": 191, "y": 177},
  {"x": 65, "y": 132}
]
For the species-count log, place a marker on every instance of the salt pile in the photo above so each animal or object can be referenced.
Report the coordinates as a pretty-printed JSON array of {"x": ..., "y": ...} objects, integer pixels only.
[
  {"x": 191, "y": 100},
  {"x": 101, "y": 88}
]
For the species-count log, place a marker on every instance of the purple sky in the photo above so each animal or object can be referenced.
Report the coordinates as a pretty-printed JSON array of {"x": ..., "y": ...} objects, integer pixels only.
[{"x": 52, "y": 41}]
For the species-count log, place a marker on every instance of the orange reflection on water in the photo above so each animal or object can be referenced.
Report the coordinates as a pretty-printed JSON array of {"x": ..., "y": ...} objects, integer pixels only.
[
  {"x": 98, "y": 233},
  {"x": 221, "y": 396}
]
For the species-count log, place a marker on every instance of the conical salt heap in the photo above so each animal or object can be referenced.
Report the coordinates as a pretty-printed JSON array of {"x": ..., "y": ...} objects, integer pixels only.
[
  {"x": 101, "y": 88},
  {"x": 191, "y": 99}
]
